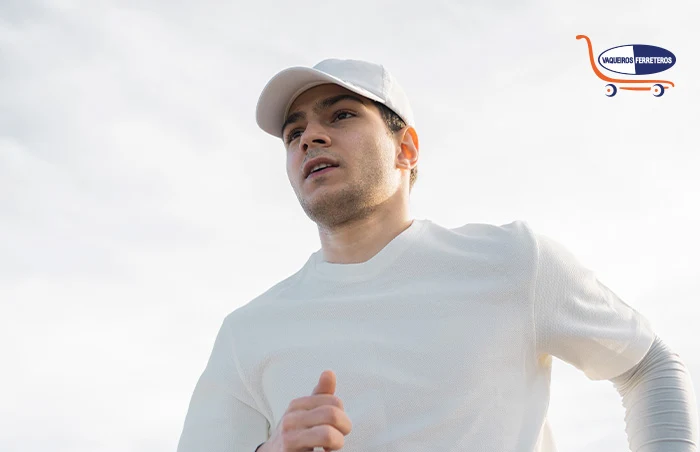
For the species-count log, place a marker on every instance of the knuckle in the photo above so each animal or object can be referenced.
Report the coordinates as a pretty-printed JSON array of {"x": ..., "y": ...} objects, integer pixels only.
[
  {"x": 327, "y": 434},
  {"x": 338, "y": 442},
  {"x": 337, "y": 402},
  {"x": 332, "y": 414},
  {"x": 287, "y": 424},
  {"x": 294, "y": 404}
]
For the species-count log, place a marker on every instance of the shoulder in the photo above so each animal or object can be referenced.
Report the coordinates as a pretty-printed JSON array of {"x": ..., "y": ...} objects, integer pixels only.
[
  {"x": 263, "y": 303},
  {"x": 514, "y": 237},
  {"x": 515, "y": 230},
  {"x": 482, "y": 250}
]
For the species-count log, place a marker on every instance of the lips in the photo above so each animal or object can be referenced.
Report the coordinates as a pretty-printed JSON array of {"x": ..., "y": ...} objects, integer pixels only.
[{"x": 318, "y": 164}]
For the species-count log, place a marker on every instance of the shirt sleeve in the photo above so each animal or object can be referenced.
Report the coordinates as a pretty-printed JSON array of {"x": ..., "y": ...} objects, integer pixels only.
[
  {"x": 659, "y": 400},
  {"x": 581, "y": 321},
  {"x": 222, "y": 415}
]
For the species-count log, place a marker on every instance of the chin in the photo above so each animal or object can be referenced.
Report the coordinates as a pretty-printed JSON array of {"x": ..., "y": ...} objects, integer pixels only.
[
  {"x": 320, "y": 197},
  {"x": 332, "y": 207}
]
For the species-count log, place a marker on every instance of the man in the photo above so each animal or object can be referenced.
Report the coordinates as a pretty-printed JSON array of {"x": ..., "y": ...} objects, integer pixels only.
[{"x": 402, "y": 335}]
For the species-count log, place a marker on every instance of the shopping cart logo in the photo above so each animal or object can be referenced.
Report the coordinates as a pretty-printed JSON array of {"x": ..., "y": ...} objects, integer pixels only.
[{"x": 632, "y": 59}]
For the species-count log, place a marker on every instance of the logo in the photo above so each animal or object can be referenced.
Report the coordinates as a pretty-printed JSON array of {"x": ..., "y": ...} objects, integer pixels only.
[
  {"x": 632, "y": 59},
  {"x": 637, "y": 59}
]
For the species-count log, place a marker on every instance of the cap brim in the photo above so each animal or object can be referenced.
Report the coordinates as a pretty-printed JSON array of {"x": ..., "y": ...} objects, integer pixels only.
[{"x": 281, "y": 91}]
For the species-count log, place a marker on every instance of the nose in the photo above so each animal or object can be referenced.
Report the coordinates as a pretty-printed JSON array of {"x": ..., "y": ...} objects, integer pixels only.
[{"x": 314, "y": 136}]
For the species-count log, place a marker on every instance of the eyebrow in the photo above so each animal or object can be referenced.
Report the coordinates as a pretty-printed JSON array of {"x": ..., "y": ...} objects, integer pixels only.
[{"x": 320, "y": 106}]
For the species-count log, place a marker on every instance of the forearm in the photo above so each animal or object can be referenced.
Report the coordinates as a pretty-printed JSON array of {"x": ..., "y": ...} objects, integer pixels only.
[{"x": 661, "y": 411}]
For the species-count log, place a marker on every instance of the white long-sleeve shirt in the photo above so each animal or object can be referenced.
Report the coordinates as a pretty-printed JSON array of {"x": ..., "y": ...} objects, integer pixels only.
[{"x": 441, "y": 341}]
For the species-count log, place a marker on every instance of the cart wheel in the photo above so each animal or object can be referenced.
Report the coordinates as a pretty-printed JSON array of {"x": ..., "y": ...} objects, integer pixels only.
[
  {"x": 657, "y": 90},
  {"x": 610, "y": 90}
]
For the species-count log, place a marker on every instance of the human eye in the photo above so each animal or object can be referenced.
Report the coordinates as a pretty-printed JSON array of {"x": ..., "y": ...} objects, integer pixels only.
[
  {"x": 293, "y": 135},
  {"x": 343, "y": 114}
]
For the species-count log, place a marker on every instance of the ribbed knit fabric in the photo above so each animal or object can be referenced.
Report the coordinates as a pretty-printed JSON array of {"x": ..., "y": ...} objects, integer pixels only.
[
  {"x": 659, "y": 399},
  {"x": 441, "y": 341}
]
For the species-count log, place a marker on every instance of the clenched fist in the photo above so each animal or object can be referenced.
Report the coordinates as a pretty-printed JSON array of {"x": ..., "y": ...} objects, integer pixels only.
[{"x": 318, "y": 420}]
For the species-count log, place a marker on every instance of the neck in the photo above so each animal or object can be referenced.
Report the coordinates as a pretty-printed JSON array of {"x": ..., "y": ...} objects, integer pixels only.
[{"x": 360, "y": 240}]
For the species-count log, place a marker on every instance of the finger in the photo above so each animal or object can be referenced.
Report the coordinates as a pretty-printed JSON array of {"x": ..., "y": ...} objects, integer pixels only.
[
  {"x": 314, "y": 401},
  {"x": 323, "y": 415},
  {"x": 319, "y": 436},
  {"x": 326, "y": 383},
  {"x": 329, "y": 415}
]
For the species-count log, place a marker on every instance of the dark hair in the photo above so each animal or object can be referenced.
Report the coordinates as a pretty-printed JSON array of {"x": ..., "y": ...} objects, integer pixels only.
[{"x": 394, "y": 123}]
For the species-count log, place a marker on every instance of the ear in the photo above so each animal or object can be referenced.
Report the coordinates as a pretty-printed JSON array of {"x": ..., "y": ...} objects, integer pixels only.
[{"x": 407, "y": 157}]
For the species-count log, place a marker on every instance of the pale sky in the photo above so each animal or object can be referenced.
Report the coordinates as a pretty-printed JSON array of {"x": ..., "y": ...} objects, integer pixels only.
[{"x": 140, "y": 204}]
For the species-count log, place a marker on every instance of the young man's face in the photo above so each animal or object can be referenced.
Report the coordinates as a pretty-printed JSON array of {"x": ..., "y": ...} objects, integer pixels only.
[{"x": 334, "y": 126}]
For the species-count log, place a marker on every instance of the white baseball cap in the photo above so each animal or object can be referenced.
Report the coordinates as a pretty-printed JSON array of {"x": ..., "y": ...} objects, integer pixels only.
[{"x": 367, "y": 79}]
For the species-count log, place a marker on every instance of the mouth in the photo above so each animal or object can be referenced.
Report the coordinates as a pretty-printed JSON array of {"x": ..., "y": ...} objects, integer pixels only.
[
  {"x": 320, "y": 171},
  {"x": 317, "y": 167}
]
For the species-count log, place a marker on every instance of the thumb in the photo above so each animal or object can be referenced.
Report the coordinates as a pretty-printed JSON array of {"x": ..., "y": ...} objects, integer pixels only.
[{"x": 326, "y": 383}]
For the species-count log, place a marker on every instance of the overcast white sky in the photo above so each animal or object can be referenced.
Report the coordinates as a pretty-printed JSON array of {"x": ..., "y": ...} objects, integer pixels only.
[{"x": 140, "y": 203}]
